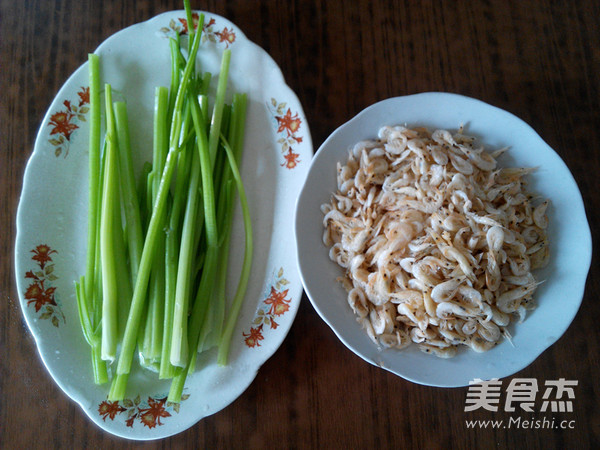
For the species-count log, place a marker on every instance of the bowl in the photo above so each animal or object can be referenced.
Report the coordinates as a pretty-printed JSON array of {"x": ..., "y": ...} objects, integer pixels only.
[{"x": 558, "y": 298}]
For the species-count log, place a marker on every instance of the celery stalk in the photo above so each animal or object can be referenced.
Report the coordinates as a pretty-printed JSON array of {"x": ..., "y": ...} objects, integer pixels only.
[
  {"x": 131, "y": 207},
  {"x": 86, "y": 288},
  {"x": 139, "y": 294},
  {"x": 107, "y": 249}
]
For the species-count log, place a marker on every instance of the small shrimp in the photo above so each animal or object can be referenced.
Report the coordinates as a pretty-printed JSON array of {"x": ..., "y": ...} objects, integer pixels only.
[
  {"x": 539, "y": 215},
  {"x": 339, "y": 255},
  {"x": 493, "y": 276},
  {"x": 473, "y": 297},
  {"x": 540, "y": 258},
  {"x": 355, "y": 243},
  {"x": 501, "y": 319},
  {"x": 378, "y": 288},
  {"x": 358, "y": 302},
  {"x": 469, "y": 327},
  {"x": 495, "y": 238},
  {"x": 519, "y": 266},
  {"x": 381, "y": 320},
  {"x": 489, "y": 331},
  {"x": 479, "y": 344},
  {"x": 406, "y": 310},
  {"x": 440, "y": 352},
  {"x": 452, "y": 337},
  {"x": 461, "y": 165},
  {"x": 417, "y": 335},
  {"x": 447, "y": 310},
  {"x": 406, "y": 296},
  {"x": 430, "y": 305},
  {"x": 438, "y": 155},
  {"x": 506, "y": 301},
  {"x": 519, "y": 280},
  {"x": 483, "y": 160},
  {"x": 420, "y": 244},
  {"x": 483, "y": 220},
  {"x": 420, "y": 273},
  {"x": 537, "y": 247},
  {"x": 366, "y": 324},
  {"x": 394, "y": 340},
  {"x": 455, "y": 255},
  {"x": 445, "y": 291},
  {"x": 407, "y": 264},
  {"x": 443, "y": 137}
]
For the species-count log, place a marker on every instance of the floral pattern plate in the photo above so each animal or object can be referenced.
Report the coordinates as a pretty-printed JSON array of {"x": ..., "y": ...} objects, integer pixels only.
[{"x": 51, "y": 223}]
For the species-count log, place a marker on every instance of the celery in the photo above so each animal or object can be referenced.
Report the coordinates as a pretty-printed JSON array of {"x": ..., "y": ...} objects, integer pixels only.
[
  {"x": 215, "y": 125},
  {"x": 107, "y": 249},
  {"x": 154, "y": 228},
  {"x": 86, "y": 289},
  {"x": 179, "y": 343},
  {"x": 170, "y": 235},
  {"x": 131, "y": 206},
  {"x": 248, "y": 250}
]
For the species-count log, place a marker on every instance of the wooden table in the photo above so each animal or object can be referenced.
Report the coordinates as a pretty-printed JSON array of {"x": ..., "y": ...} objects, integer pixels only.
[{"x": 537, "y": 59}]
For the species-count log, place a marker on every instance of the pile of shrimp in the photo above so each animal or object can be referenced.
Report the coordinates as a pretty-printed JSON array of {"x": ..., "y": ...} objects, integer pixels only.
[{"x": 437, "y": 242}]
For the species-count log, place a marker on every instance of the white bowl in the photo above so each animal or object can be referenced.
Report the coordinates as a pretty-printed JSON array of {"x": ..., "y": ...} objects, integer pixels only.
[{"x": 558, "y": 298}]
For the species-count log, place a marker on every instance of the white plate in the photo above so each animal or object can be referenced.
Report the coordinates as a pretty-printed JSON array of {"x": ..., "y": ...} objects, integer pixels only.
[
  {"x": 51, "y": 223},
  {"x": 570, "y": 239}
]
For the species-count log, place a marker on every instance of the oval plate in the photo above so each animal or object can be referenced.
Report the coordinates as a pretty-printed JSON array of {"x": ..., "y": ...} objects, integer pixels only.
[
  {"x": 51, "y": 223},
  {"x": 569, "y": 235}
]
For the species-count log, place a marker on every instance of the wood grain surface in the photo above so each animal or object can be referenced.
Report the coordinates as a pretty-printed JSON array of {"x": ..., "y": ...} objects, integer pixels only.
[{"x": 537, "y": 59}]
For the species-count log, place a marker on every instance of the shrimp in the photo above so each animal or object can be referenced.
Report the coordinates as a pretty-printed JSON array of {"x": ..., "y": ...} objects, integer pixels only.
[
  {"x": 506, "y": 301},
  {"x": 444, "y": 292},
  {"x": 436, "y": 242}
]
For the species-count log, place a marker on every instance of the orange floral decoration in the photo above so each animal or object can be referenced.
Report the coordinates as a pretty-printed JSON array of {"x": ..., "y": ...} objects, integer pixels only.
[
  {"x": 150, "y": 416},
  {"x": 253, "y": 338},
  {"x": 289, "y": 123},
  {"x": 273, "y": 306},
  {"x": 184, "y": 23},
  {"x": 37, "y": 295},
  {"x": 291, "y": 159},
  {"x": 110, "y": 409},
  {"x": 279, "y": 304},
  {"x": 67, "y": 120},
  {"x": 61, "y": 122},
  {"x": 40, "y": 293},
  {"x": 42, "y": 254},
  {"x": 227, "y": 36}
]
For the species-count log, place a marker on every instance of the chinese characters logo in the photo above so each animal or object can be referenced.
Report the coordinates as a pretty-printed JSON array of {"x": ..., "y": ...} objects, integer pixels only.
[{"x": 557, "y": 396}]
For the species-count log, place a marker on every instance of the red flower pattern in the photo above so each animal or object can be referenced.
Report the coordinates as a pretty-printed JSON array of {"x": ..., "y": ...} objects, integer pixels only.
[
  {"x": 279, "y": 304},
  {"x": 110, "y": 409},
  {"x": 61, "y": 121},
  {"x": 42, "y": 254},
  {"x": 65, "y": 121},
  {"x": 40, "y": 293},
  {"x": 288, "y": 126},
  {"x": 150, "y": 416},
  {"x": 149, "y": 413},
  {"x": 39, "y": 296},
  {"x": 84, "y": 96},
  {"x": 184, "y": 23},
  {"x": 288, "y": 123},
  {"x": 252, "y": 339},
  {"x": 227, "y": 36},
  {"x": 274, "y": 305},
  {"x": 291, "y": 159}
]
